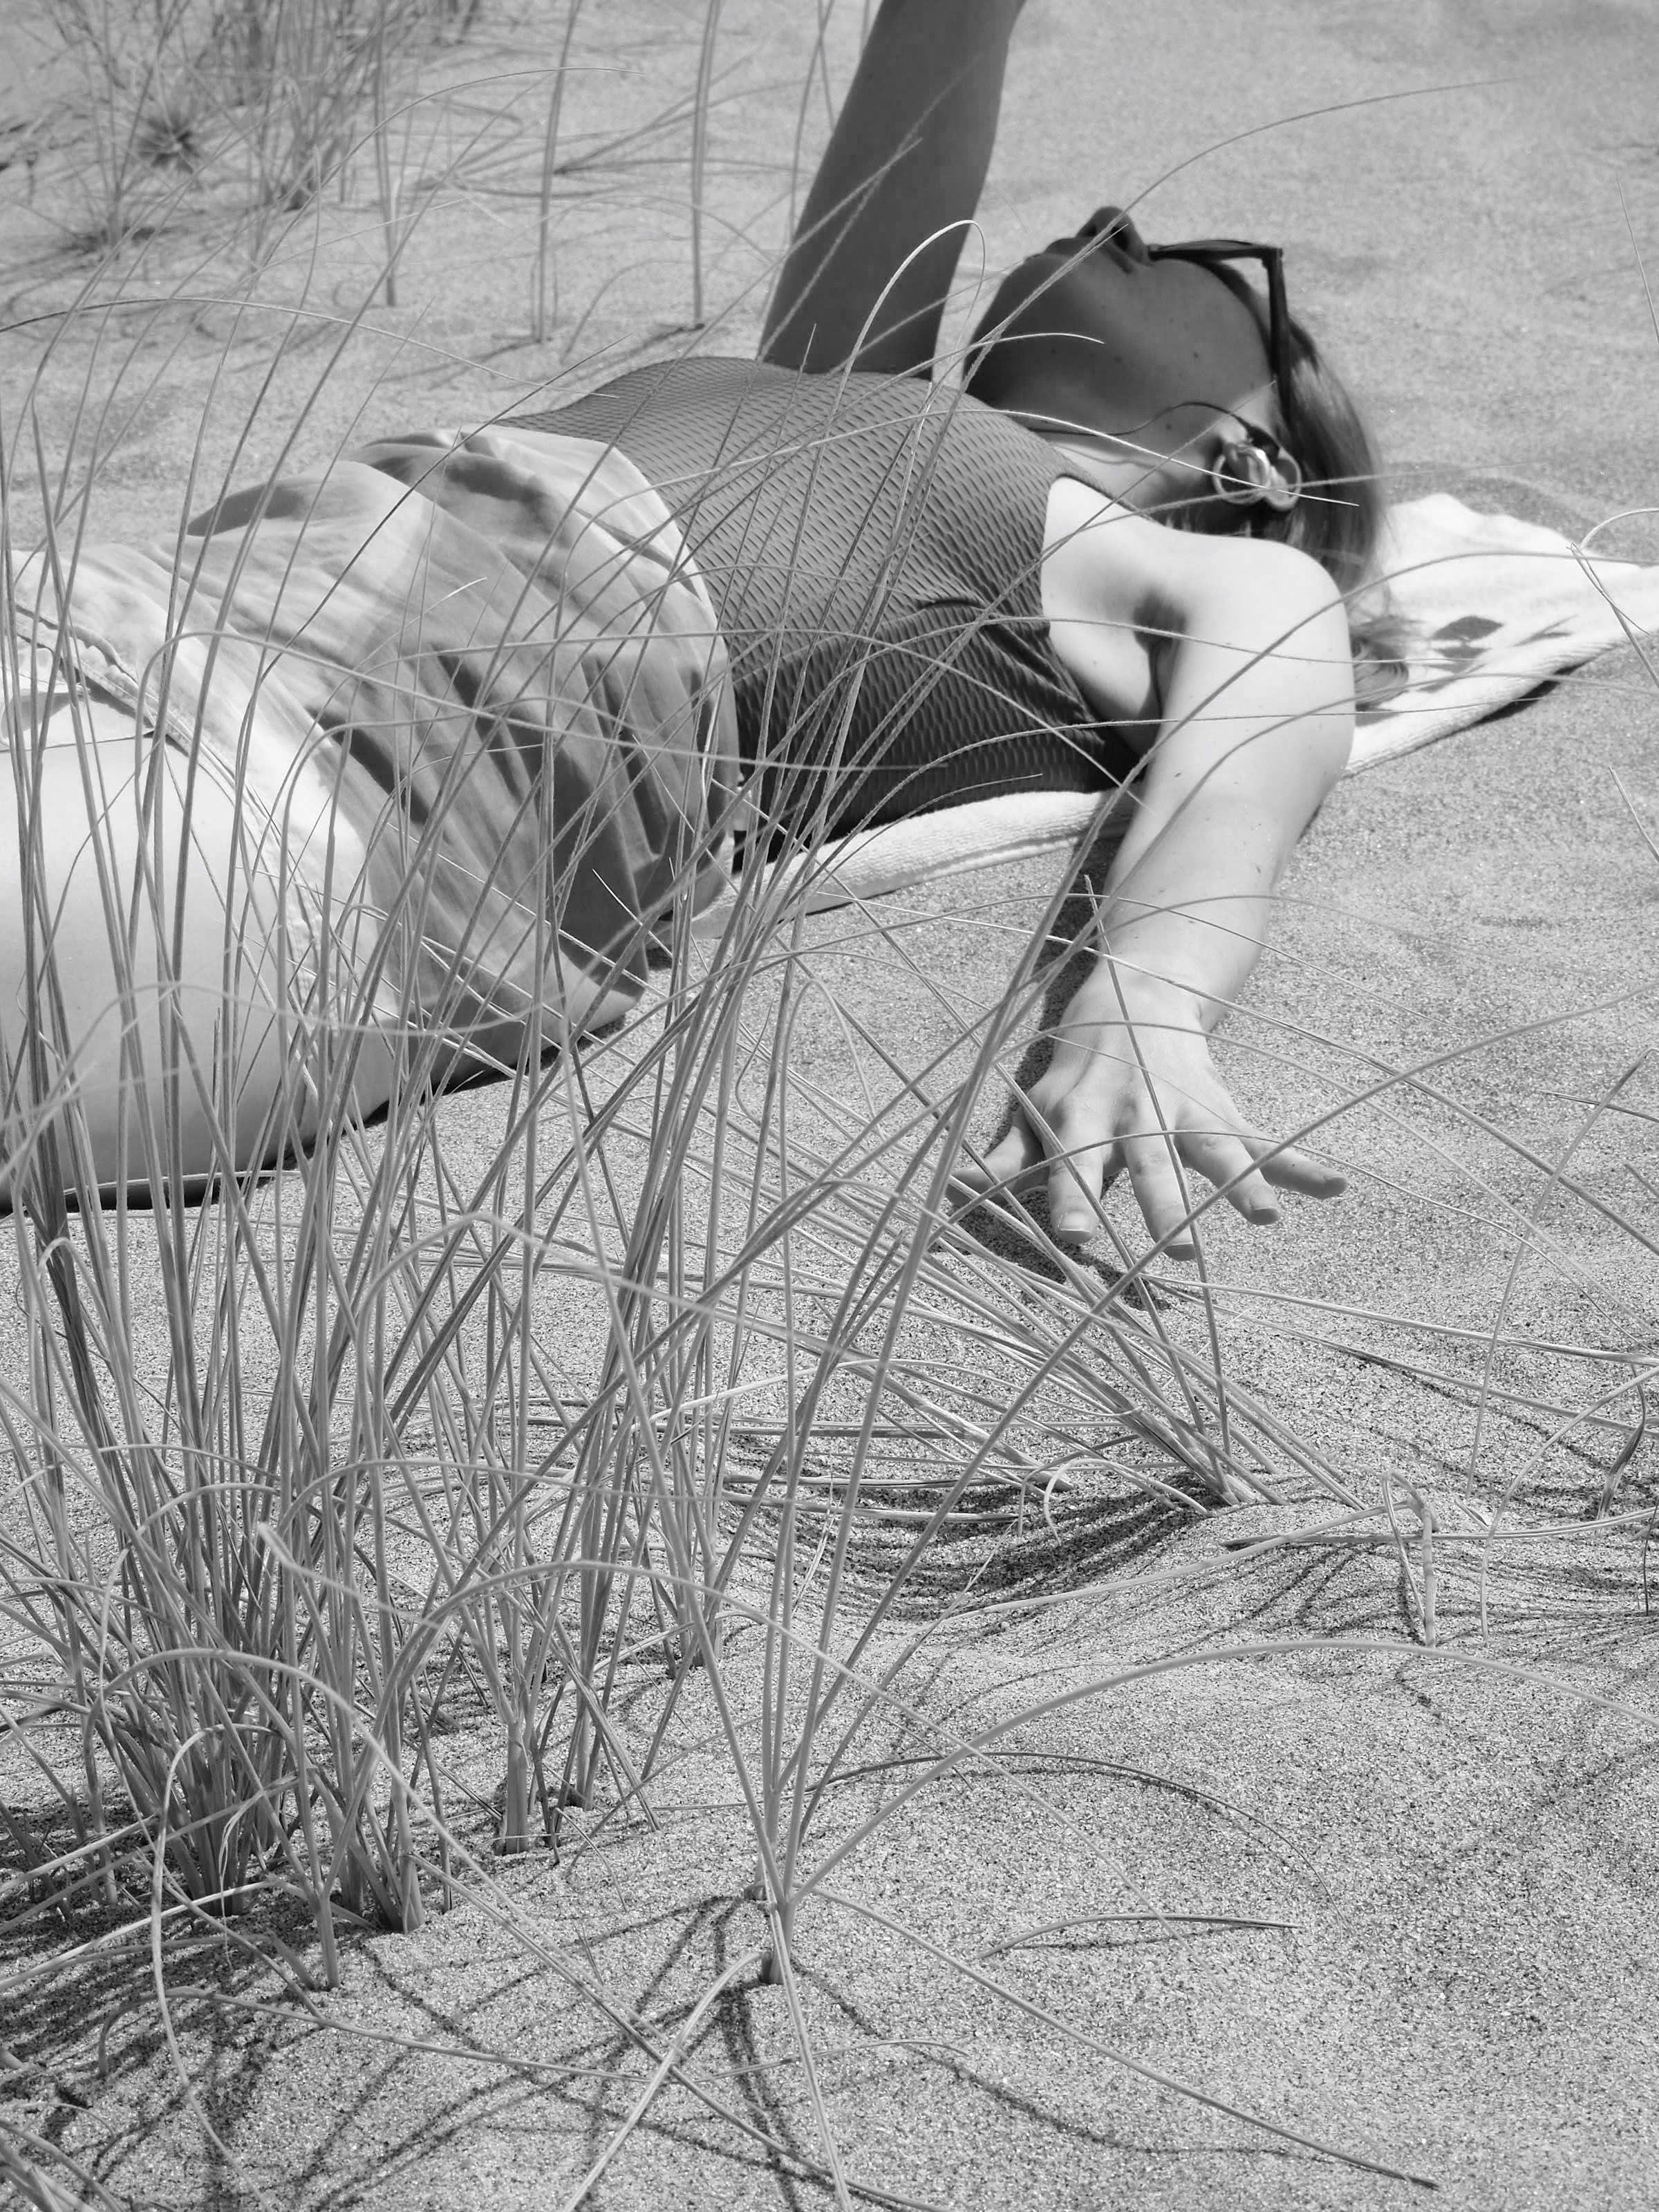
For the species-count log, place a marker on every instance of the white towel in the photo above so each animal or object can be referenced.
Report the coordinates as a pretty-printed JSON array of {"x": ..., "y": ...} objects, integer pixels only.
[{"x": 1492, "y": 608}]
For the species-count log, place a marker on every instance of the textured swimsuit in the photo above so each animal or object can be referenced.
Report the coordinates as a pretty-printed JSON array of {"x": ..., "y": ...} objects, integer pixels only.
[{"x": 873, "y": 549}]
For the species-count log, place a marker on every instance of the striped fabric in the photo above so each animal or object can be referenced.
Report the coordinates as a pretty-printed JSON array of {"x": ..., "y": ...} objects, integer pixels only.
[{"x": 473, "y": 695}]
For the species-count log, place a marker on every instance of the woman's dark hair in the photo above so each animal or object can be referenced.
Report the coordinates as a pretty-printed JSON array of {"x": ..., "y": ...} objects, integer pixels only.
[{"x": 1338, "y": 521}]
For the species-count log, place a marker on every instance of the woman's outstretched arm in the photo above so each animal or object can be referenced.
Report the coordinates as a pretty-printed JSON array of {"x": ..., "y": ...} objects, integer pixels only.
[
  {"x": 1256, "y": 716},
  {"x": 877, "y": 245}
]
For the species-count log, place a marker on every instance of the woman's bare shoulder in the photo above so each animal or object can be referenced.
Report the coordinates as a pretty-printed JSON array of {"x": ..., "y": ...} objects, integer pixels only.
[{"x": 1120, "y": 590}]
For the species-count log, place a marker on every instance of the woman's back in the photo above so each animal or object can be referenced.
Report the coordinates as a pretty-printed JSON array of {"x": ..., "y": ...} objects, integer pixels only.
[{"x": 874, "y": 547}]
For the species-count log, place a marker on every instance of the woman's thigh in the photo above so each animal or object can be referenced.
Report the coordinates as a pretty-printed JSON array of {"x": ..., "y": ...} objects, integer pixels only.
[{"x": 148, "y": 966}]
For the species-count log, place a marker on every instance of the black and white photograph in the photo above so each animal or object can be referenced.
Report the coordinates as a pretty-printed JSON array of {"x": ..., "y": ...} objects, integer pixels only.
[{"x": 829, "y": 1105}]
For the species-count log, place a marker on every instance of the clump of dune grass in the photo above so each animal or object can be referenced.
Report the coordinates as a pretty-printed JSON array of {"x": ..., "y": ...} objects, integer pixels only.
[
  {"x": 284, "y": 94},
  {"x": 672, "y": 1364}
]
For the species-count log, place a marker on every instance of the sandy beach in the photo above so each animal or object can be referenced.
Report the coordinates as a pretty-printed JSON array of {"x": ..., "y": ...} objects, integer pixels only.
[{"x": 1381, "y": 1875}]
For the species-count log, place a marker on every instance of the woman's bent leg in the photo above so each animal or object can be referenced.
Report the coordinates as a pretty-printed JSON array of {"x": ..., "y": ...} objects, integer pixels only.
[
  {"x": 145, "y": 970},
  {"x": 878, "y": 243}
]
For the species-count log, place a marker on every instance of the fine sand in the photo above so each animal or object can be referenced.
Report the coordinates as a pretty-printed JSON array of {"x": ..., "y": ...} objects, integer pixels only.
[{"x": 1456, "y": 1848}]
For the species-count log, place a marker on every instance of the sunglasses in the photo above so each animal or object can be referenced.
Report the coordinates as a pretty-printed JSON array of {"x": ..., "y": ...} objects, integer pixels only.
[{"x": 1258, "y": 467}]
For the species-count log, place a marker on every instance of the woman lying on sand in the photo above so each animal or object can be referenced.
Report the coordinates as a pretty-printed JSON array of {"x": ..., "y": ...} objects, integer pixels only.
[{"x": 446, "y": 732}]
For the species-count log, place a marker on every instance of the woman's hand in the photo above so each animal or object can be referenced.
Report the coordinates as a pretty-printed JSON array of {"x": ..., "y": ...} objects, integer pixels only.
[{"x": 1132, "y": 1087}]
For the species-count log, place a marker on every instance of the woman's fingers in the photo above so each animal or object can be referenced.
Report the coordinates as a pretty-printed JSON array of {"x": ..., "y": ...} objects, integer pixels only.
[
  {"x": 1238, "y": 1163},
  {"x": 1076, "y": 1174},
  {"x": 1021, "y": 1148},
  {"x": 1292, "y": 1168},
  {"x": 1160, "y": 1190},
  {"x": 1228, "y": 1162},
  {"x": 1242, "y": 1164},
  {"x": 1075, "y": 1182},
  {"x": 1077, "y": 1139}
]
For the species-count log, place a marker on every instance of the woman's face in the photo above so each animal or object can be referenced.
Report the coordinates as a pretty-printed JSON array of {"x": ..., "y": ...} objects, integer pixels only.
[{"x": 1162, "y": 358}]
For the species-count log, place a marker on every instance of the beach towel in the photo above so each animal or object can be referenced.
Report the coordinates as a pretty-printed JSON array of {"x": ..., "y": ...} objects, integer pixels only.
[{"x": 1492, "y": 608}]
